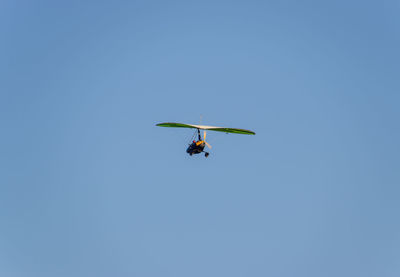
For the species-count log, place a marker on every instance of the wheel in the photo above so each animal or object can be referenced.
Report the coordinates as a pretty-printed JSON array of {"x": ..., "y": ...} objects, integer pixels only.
[{"x": 206, "y": 154}]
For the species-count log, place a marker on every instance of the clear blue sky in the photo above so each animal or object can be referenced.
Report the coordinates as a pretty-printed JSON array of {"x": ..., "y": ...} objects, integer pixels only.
[{"x": 90, "y": 187}]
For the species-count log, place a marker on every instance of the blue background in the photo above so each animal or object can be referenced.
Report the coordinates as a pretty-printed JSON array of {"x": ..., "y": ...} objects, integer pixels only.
[{"x": 90, "y": 187}]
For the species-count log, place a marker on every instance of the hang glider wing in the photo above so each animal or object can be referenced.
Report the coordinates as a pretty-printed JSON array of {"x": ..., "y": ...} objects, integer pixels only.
[
  {"x": 232, "y": 130},
  {"x": 203, "y": 127}
]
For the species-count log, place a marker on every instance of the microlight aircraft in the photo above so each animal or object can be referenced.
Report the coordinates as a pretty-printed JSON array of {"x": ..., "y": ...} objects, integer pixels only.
[{"x": 197, "y": 147}]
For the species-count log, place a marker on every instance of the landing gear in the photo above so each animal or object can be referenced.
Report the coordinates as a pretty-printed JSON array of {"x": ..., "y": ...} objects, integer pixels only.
[{"x": 206, "y": 154}]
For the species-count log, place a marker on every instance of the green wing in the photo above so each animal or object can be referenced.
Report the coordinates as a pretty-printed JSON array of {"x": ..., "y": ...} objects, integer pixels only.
[
  {"x": 203, "y": 127},
  {"x": 232, "y": 130},
  {"x": 172, "y": 124}
]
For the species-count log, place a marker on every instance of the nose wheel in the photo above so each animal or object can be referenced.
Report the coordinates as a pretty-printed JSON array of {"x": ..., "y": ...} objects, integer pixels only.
[{"x": 206, "y": 154}]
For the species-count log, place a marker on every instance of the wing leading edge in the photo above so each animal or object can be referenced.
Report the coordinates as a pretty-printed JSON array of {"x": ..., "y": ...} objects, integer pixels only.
[{"x": 211, "y": 128}]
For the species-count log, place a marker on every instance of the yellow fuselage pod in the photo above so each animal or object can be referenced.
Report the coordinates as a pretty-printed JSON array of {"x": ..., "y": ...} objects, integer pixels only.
[{"x": 200, "y": 142}]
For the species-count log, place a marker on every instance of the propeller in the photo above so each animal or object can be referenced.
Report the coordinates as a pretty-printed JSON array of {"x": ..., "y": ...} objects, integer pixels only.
[{"x": 204, "y": 139}]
